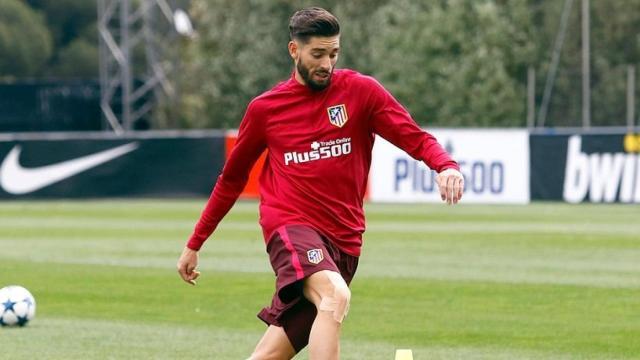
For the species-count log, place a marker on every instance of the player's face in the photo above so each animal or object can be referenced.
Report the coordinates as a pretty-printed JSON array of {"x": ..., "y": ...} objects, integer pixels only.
[{"x": 315, "y": 60}]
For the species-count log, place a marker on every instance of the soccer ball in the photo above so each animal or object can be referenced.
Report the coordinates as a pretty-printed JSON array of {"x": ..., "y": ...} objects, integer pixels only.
[{"x": 17, "y": 306}]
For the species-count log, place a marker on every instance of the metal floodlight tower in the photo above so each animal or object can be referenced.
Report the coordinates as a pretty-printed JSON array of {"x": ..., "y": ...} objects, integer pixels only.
[{"x": 141, "y": 28}]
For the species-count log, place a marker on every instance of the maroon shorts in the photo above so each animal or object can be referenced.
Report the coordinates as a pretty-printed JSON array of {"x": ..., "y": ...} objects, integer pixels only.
[{"x": 296, "y": 252}]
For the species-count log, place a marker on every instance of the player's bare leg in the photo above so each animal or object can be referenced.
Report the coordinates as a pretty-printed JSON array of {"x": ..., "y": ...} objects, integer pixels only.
[
  {"x": 274, "y": 345},
  {"x": 328, "y": 291}
]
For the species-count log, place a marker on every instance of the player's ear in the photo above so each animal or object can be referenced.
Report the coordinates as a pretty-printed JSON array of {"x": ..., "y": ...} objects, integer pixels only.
[{"x": 293, "y": 50}]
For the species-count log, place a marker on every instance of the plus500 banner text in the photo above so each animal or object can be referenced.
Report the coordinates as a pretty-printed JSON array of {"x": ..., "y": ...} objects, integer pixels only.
[{"x": 494, "y": 163}]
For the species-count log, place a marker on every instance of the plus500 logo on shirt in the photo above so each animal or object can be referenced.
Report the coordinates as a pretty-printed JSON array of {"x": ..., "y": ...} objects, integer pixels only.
[{"x": 320, "y": 150}]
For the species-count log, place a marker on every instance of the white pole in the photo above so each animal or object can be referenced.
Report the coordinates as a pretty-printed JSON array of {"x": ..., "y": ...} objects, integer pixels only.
[
  {"x": 555, "y": 60},
  {"x": 127, "y": 81},
  {"x": 631, "y": 96},
  {"x": 586, "y": 76},
  {"x": 531, "y": 97}
]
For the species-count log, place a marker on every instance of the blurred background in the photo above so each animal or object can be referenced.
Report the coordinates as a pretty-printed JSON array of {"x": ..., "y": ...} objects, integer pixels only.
[
  {"x": 545, "y": 89},
  {"x": 463, "y": 63},
  {"x": 527, "y": 78}
]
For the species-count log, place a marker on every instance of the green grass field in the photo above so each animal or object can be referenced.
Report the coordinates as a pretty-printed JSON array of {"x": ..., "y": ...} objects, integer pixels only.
[{"x": 545, "y": 281}]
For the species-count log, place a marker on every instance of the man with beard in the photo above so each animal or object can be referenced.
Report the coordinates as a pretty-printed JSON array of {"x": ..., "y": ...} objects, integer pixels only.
[{"x": 319, "y": 128}]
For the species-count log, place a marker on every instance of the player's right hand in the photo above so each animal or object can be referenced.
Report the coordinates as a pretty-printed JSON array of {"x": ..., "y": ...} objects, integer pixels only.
[
  {"x": 451, "y": 185},
  {"x": 187, "y": 266}
]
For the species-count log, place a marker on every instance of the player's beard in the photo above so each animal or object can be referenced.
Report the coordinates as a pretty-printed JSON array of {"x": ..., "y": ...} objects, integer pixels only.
[{"x": 307, "y": 77}]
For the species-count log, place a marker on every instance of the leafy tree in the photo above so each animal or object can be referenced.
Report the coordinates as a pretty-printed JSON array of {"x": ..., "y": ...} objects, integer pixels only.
[
  {"x": 74, "y": 29},
  {"x": 450, "y": 62},
  {"x": 67, "y": 19},
  {"x": 25, "y": 42},
  {"x": 79, "y": 59},
  {"x": 454, "y": 63},
  {"x": 357, "y": 31},
  {"x": 240, "y": 52},
  {"x": 615, "y": 44}
]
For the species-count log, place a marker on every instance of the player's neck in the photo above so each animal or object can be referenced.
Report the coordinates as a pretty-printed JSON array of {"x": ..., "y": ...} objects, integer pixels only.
[{"x": 299, "y": 78}]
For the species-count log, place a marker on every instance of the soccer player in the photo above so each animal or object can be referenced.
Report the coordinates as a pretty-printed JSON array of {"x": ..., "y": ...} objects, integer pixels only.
[{"x": 318, "y": 127}]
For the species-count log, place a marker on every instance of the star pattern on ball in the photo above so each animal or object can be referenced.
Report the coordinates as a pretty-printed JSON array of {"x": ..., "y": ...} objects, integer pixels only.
[{"x": 8, "y": 305}]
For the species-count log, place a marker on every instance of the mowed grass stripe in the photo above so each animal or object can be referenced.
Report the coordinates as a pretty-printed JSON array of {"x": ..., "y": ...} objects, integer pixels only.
[
  {"x": 418, "y": 257},
  {"x": 381, "y": 225},
  {"x": 102, "y": 339},
  {"x": 499, "y": 252},
  {"x": 184, "y": 209},
  {"x": 509, "y": 318}
]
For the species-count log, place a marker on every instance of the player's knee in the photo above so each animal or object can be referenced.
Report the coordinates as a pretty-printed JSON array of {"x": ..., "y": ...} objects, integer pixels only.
[
  {"x": 342, "y": 297},
  {"x": 338, "y": 299}
]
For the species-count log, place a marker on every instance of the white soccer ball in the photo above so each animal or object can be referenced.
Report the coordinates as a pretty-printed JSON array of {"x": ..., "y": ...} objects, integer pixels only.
[{"x": 17, "y": 306}]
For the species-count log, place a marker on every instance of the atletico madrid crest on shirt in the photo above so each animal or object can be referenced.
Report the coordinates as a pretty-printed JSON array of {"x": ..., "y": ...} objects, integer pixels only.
[
  {"x": 337, "y": 115},
  {"x": 315, "y": 256}
]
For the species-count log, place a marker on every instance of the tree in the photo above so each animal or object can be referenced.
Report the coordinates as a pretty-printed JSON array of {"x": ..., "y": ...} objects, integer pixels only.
[
  {"x": 79, "y": 59},
  {"x": 25, "y": 42},
  {"x": 451, "y": 62},
  {"x": 67, "y": 19},
  {"x": 239, "y": 53},
  {"x": 74, "y": 29},
  {"x": 615, "y": 44},
  {"x": 427, "y": 54},
  {"x": 356, "y": 29},
  {"x": 454, "y": 63}
]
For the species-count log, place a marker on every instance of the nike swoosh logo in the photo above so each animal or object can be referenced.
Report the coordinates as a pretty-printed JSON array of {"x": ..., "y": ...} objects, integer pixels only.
[{"x": 18, "y": 180}]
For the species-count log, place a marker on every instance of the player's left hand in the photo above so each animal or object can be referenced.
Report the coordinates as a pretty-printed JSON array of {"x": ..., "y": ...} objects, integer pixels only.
[{"x": 451, "y": 185}]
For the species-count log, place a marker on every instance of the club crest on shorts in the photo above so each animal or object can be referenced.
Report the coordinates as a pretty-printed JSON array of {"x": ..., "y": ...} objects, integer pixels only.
[
  {"x": 337, "y": 115},
  {"x": 315, "y": 256}
]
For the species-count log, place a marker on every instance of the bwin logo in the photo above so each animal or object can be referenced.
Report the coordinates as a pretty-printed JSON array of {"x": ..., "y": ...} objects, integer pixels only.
[
  {"x": 603, "y": 176},
  {"x": 320, "y": 150}
]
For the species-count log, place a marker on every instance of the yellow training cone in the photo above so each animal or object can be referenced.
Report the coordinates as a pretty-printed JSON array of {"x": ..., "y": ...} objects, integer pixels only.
[{"x": 404, "y": 354}]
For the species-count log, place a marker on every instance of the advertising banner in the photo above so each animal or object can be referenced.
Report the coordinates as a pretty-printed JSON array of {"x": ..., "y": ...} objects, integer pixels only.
[
  {"x": 586, "y": 168},
  {"x": 494, "y": 163},
  {"x": 118, "y": 167}
]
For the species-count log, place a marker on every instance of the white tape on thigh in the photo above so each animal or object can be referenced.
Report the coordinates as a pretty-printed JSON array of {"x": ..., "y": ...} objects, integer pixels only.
[{"x": 339, "y": 302}]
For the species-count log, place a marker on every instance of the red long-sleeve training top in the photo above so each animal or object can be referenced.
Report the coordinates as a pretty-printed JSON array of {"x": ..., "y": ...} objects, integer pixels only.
[{"x": 319, "y": 152}]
